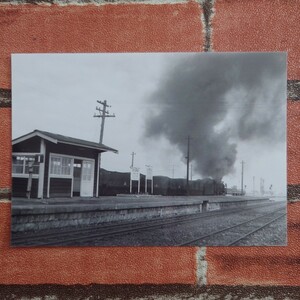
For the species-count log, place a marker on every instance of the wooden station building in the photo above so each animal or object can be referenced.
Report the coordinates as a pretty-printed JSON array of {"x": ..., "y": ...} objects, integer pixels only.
[{"x": 60, "y": 166}]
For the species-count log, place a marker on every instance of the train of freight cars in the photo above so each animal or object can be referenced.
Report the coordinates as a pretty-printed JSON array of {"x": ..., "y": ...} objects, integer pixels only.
[{"x": 113, "y": 183}]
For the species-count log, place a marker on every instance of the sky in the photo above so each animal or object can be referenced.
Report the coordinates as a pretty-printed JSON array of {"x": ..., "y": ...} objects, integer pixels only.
[{"x": 231, "y": 105}]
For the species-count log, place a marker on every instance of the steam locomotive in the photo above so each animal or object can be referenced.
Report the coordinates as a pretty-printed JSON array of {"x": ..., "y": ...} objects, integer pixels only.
[
  {"x": 235, "y": 191},
  {"x": 113, "y": 183}
]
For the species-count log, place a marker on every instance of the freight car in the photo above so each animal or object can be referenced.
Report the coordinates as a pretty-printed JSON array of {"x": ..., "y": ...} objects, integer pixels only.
[
  {"x": 113, "y": 183},
  {"x": 234, "y": 192}
]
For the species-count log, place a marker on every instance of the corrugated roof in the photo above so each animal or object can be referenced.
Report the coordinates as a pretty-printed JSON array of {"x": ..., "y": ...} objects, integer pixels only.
[{"x": 66, "y": 140}]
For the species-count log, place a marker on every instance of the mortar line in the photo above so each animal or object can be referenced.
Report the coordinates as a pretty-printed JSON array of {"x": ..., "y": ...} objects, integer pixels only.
[
  {"x": 5, "y": 195},
  {"x": 201, "y": 266},
  {"x": 293, "y": 93},
  {"x": 91, "y": 2},
  {"x": 5, "y": 97},
  {"x": 206, "y": 18},
  {"x": 293, "y": 193}
]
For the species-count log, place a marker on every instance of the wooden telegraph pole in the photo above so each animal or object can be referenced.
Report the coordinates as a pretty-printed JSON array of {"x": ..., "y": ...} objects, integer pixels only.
[
  {"x": 188, "y": 166},
  {"x": 102, "y": 113},
  {"x": 242, "y": 181}
]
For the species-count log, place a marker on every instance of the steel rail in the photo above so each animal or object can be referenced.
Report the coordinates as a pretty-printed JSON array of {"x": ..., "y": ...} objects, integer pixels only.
[
  {"x": 225, "y": 229},
  {"x": 161, "y": 223},
  {"x": 255, "y": 230}
]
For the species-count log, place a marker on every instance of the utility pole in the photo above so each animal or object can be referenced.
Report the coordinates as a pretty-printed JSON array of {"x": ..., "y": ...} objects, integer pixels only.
[
  {"x": 131, "y": 167},
  {"x": 253, "y": 185},
  {"x": 103, "y": 113},
  {"x": 188, "y": 166},
  {"x": 132, "y": 159},
  {"x": 149, "y": 176},
  {"x": 262, "y": 186},
  {"x": 242, "y": 181}
]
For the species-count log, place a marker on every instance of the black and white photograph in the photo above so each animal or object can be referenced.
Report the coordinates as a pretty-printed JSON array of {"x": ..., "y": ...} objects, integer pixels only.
[{"x": 149, "y": 149}]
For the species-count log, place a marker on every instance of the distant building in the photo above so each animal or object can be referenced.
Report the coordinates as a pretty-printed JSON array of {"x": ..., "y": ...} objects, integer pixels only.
[{"x": 61, "y": 166}]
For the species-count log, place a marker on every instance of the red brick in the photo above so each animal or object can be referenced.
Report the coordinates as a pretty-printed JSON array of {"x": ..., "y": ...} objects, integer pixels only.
[
  {"x": 266, "y": 25},
  {"x": 85, "y": 265},
  {"x": 89, "y": 28},
  {"x": 258, "y": 265},
  {"x": 5, "y": 147},
  {"x": 293, "y": 141}
]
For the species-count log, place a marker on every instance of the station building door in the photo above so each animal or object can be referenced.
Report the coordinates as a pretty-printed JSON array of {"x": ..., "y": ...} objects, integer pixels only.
[{"x": 83, "y": 178}]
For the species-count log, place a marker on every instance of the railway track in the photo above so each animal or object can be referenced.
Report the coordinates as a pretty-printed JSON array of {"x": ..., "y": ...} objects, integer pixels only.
[
  {"x": 243, "y": 230},
  {"x": 90, "y": 233}
]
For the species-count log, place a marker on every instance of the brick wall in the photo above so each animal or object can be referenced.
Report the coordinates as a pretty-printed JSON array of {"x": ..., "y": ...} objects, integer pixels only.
[{"x": 150, "y": 26}]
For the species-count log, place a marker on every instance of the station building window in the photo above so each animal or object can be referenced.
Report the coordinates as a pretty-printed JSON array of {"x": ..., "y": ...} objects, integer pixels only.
[
  {"x": 20, "y": 164},
  {"x": 60, "y": 166}
]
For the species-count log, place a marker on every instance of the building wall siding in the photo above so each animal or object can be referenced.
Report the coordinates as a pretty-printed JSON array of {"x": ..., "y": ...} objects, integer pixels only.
[
  {"x": 60, "y": 187},
  {"x": 19, "y": 187},
  {"x": 32, "y": 145}
]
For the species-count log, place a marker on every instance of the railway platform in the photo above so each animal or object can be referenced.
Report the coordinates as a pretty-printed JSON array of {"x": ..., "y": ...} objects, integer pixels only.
[
  {"x": 127, "y": 201},
  {"x": 40, "y": 214},
  {"x": 257, "y": 224}
]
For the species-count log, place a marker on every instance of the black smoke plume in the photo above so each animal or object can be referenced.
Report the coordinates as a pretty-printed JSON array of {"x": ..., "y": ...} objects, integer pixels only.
[{"x": 219, "y": 100}]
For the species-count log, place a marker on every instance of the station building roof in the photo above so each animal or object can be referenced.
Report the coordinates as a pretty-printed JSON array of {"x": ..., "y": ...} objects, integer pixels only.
[{"x": 63, "y": 139}]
